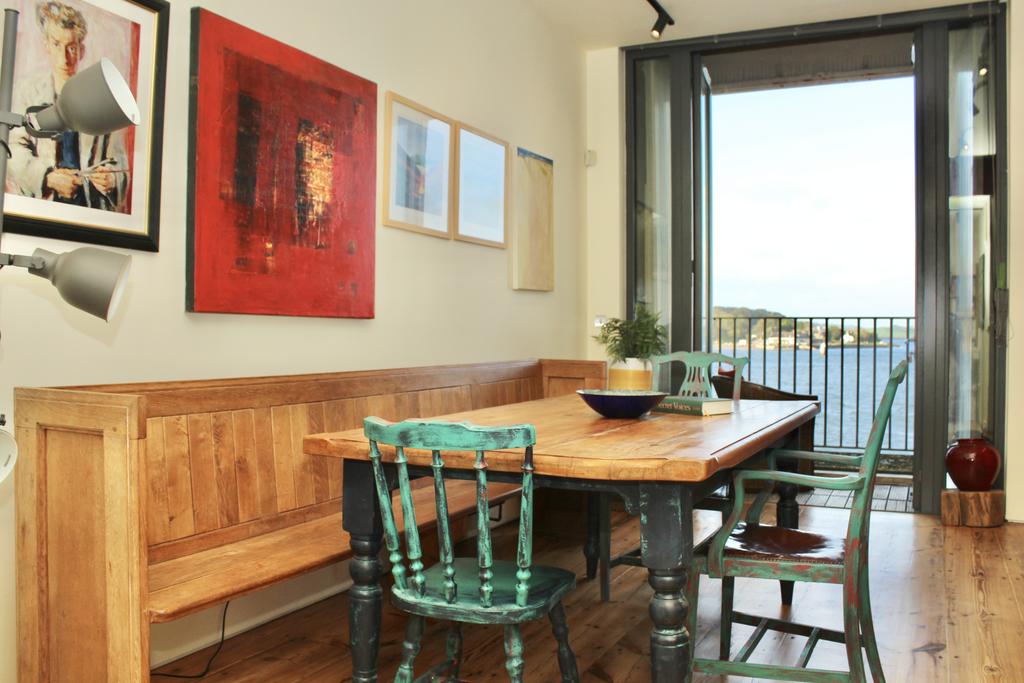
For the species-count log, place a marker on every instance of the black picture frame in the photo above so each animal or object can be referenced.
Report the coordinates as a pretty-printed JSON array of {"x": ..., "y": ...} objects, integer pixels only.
[{"x": 143, "y": 241}]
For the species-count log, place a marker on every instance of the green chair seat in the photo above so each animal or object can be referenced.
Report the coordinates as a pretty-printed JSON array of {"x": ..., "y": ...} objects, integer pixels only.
[
  {"x": 547, "y": 586},
  {"x": 774, "y": 543}
]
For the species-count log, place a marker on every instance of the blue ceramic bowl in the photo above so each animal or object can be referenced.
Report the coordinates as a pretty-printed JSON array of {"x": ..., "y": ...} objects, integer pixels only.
[{"x": 621, "y": 404}]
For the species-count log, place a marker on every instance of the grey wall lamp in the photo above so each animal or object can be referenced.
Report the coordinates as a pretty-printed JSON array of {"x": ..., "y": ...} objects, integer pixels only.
[{"x": 96, "y": 101}]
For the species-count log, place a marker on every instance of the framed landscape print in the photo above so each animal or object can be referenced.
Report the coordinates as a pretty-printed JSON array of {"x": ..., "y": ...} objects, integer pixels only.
[
  {"x": 482, "y": 188},
  {"x": 283, "y": 174},
  {"x": 99, "y": 189},
  {"x": 417, "y": 168}
]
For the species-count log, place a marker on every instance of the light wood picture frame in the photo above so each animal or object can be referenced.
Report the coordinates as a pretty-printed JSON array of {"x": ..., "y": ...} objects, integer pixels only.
[
  {"x": 481, "y": 188},
  {"x": 419, "y": 168}
]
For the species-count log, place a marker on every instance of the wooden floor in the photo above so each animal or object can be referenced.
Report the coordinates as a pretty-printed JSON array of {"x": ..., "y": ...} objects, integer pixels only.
[{"x": 949, "y": 606}]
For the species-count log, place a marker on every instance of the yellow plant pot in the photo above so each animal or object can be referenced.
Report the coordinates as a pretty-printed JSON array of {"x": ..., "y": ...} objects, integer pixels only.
[{"x": 633, "y": 374}]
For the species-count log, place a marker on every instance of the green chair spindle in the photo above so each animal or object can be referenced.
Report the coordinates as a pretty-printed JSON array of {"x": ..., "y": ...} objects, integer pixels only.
[
  {"x": 445, "y": 551},
  {"x": 483, "y": 529},
  {"x": 524, "y": 551},
  {"x": 506, "y": 592}
]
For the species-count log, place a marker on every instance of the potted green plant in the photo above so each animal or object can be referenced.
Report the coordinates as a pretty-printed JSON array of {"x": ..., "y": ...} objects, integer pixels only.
[{"x": 630, "y": 345}]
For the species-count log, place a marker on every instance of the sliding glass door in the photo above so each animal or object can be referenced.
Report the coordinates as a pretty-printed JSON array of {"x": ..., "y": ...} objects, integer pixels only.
[{"x": 956, "y": 336}]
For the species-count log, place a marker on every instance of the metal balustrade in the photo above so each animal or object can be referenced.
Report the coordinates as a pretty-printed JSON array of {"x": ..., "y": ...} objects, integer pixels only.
[{"x": 844, "y": 361}]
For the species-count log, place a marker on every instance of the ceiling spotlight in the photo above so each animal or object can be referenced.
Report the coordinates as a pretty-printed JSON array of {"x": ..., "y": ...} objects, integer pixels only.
[
  {"x": 983, "y": 71},
  {"x": 664, "y": 19},
  {"x": 659, "y": 26}
]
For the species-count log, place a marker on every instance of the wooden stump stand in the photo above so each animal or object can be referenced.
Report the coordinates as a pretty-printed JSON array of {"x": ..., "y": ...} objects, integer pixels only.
[{"x": 973, "y": 508}]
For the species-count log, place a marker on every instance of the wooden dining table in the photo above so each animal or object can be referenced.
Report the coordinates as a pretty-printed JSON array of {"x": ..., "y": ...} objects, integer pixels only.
[{"x": 661, "y": 465}]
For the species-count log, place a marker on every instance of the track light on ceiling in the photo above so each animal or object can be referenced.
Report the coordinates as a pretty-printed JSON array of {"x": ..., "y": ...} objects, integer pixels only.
[{"x": 664, "y": 19}]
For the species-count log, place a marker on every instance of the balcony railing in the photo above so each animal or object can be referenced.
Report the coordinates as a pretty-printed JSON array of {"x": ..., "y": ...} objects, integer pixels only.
[{"x": 845, "y": 362}]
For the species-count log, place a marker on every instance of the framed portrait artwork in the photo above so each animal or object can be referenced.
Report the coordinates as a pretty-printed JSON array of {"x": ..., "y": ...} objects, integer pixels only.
[
  {"x": 417, "y": 167},
  {"x": 282, "y": 178},
  {"x": 99, "y": 189},
  {"x": 482, "y": 188}
]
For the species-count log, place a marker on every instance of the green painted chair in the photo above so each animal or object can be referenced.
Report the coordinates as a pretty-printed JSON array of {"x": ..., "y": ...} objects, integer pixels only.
[
  {"x": 477, "y": 590},
  {"x": 749, "y": 549},
  {"x": 697, "y": 380},
  {"x": 696, "y": 383}
]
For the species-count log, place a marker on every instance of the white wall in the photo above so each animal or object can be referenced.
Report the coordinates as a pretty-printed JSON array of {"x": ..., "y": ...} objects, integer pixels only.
[
  {"x": 604, "y": 294},
  {"x": 606, "y": 234},
  {"x": 494, "y": 64}
]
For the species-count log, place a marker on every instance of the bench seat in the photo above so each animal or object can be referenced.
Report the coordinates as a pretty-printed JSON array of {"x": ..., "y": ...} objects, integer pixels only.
[{"x": 188, "y": 584}]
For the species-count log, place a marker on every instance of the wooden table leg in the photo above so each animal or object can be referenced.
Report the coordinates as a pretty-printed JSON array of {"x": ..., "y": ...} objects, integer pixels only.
[
  {"x": 604, "y": 545},
  {"x": 666, "y": 541},
  {"x": 590, "y": 546},
  {"x": 361, "y": 519}
]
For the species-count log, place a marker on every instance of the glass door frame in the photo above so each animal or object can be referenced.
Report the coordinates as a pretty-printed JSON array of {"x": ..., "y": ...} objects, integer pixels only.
[
  {"x": 703, "y": 309},
  {"x": 931, "y": 29}
]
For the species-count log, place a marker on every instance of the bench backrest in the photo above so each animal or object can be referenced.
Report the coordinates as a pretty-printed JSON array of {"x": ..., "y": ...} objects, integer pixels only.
[{"x": 224, "y": 458}]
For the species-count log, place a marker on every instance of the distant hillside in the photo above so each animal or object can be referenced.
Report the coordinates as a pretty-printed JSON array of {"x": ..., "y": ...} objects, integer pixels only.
[
  {"x": 737, "y": 322},
  {"x": 741, "y": 312}
]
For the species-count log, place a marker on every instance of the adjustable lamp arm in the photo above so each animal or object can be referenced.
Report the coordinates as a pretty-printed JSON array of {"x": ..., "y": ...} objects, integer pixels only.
[
  {"x": 6, "y": 90},
  {"x": 8, "y": 120},
  {"x": 21, "y": 260}
]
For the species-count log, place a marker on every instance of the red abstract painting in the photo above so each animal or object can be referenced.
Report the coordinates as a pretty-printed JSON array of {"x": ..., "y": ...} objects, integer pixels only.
[{"x": 283, "y": 178}]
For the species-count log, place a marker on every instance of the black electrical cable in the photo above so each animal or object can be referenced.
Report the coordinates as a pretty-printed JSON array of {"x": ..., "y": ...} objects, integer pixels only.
[{"x": 206, "y": 670}]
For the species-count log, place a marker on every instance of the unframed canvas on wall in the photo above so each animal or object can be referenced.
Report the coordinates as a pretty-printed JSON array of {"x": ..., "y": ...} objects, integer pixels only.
[
  {"x": 100, "y": 189},
  {"x": 282, "y": 178},
  {"x": 533, "y": 235},
  {"x": 418, "y": 165}
]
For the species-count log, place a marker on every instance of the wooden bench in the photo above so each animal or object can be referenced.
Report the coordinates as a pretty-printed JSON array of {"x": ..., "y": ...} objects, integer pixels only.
[{"x": 142, "y": 503}]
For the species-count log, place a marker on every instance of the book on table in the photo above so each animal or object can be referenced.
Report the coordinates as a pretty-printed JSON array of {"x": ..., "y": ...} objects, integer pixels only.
[{"x": 688, "y": 405}]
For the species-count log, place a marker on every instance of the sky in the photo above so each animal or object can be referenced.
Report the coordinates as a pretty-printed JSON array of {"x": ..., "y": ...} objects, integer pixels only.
[{"x": 813, "y": 199}]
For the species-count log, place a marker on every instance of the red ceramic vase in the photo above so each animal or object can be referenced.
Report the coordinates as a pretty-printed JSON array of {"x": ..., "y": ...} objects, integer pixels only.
[{"x": 973, "y": 464}]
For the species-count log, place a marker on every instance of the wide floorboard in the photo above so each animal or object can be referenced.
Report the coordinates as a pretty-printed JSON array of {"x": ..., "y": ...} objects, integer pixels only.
[{"x": 949, "y": 606}]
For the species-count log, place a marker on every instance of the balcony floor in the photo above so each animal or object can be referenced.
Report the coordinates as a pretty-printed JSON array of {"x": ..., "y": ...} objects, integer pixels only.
[
  {"x": 886, "y": 498},
  {"x": 949, "y": 606}
]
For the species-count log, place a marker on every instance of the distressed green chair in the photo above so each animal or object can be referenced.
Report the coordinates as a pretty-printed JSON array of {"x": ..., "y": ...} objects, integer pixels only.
[
  {"x": 477, "y": 590},
  {"x": 697, "y": 380},
  {"x": 696, "y": 383},
  {"x": 769, "y": 552}
]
